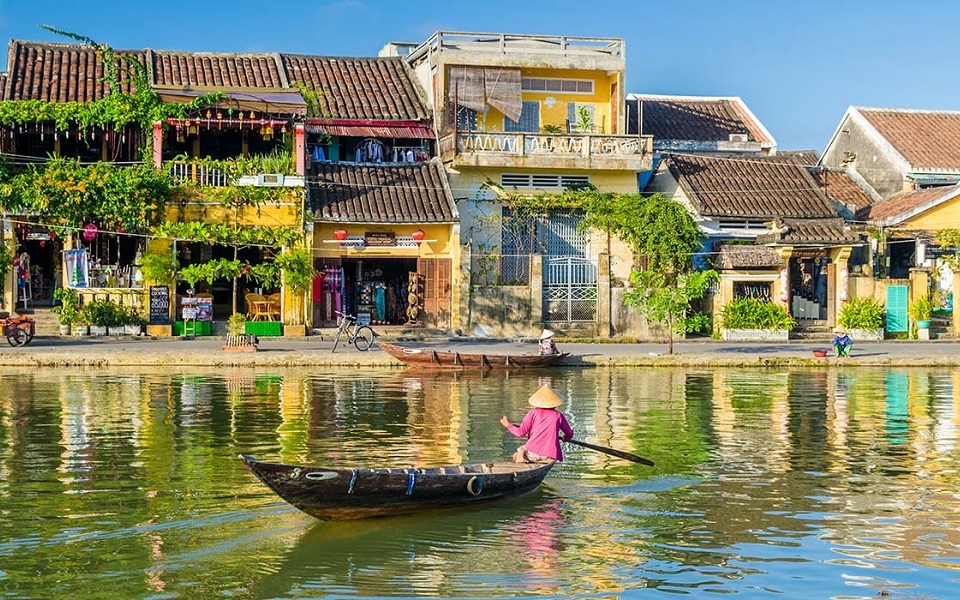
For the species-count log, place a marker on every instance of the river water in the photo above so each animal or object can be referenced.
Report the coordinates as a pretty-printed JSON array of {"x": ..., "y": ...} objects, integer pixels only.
[{"x": 826, "y": 483}]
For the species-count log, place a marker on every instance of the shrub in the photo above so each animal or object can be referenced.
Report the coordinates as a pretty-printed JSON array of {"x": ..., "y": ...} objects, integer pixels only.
[
  {"x": 101, "y": 313},
  {"x": 862, "y": 313},
  {"x": 236, "y": 324},
  {"x": 921, "y": 308},
  {"x": 751, "y": 313},
  {"x": 68, "y": 310}
]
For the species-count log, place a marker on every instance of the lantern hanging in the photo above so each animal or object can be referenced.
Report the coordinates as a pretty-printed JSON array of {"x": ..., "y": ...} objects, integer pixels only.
[
  {"x": 340, "y": 234},
  {"x": 90, "y": 232}
]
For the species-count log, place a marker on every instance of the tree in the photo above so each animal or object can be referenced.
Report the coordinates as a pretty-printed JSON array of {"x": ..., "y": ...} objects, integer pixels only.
[{"x": 665, "y": 237}]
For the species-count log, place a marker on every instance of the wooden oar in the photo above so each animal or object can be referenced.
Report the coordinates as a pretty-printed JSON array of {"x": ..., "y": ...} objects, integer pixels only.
[{"x": 612, "y": 452}]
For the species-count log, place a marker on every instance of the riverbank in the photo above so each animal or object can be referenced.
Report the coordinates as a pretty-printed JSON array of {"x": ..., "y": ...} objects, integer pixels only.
[{"x": 316, "y": 352}]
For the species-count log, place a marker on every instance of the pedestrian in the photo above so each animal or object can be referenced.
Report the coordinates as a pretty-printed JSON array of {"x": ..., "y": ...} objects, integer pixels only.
[
  {"x": 542, "y": 426},
  {"x": 547, "y": 346},
  {"x": 841, "y": 342}
]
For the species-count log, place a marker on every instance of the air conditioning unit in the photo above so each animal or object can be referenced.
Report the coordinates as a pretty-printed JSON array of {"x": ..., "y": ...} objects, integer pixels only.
[
  {"x": 739, "y": 137},
  {"x": 270, "y": 179}
]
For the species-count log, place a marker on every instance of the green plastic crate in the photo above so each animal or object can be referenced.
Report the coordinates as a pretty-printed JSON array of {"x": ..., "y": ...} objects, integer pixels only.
[
  {"x": 203, "y": 328},
  {"x": 263, "y": 328}
]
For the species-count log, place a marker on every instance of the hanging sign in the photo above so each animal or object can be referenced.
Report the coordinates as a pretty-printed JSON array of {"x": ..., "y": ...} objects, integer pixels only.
[
  {"x": 75, "y": 263},
  {"x": 159, "y": 305},
  {"x": 379, "y": 238}
]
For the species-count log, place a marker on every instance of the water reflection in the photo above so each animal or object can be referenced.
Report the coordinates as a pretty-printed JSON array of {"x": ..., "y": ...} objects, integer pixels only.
[{"x": 766, "y": 481}]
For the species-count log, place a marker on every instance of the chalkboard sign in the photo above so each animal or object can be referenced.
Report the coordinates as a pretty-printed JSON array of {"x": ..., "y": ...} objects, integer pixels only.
[{"x": 159, "y": 305}]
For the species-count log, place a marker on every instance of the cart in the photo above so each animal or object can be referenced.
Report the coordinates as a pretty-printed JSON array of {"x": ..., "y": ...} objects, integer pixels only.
[{"x": 18, "y": 330}]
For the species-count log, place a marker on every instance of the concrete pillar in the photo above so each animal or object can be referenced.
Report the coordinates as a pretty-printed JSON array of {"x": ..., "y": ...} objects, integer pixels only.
[
  {"x": 536, "y": 289},
  {"x": 604, "y": 309},
  {"x": 841, "y": 283},
  {"x": 300, "y": 148},
  {"x": 157, "y": 144}
]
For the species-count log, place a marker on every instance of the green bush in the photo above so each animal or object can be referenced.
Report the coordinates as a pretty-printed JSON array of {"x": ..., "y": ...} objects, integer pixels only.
[
  {"x": 862, "y": 313},
  {"x": 921, "y": 309},
  {"x": 101, "y": 313},
  {"x": 751, "y": 313},
  {"x": 69, "y": 308}
]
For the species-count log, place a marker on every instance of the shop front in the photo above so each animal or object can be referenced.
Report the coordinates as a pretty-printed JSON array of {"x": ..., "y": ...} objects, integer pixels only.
[{"x": 384, "y": 276}]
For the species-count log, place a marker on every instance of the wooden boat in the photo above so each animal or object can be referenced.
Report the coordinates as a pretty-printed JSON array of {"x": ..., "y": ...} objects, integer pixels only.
[
  {"x": 339, "y": 494},
  {"x": 450, "y": 359}
]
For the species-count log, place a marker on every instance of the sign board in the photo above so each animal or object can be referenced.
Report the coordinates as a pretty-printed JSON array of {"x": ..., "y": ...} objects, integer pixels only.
[
  {"x": 204, "y": 309},
  {"x": 380, "y": 238},
  {"x": 159, "y": 305}
]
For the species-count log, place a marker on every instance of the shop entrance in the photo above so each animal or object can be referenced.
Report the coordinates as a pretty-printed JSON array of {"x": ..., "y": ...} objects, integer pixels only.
[
  {"x": 376, "y": 290},
  {"x": 809, "y": 287},
  {"x": 37, "y": 270}
]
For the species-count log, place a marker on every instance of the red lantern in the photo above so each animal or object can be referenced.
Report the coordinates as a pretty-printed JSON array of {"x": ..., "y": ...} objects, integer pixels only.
[
  {"x": 418, "y": 236},
  {"x": 340, "y": 234},
  {"x": 90, "y": 232}
]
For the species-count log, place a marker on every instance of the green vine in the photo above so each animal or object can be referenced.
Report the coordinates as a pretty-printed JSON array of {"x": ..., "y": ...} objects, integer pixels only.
[{"x": 214, "y": 233}]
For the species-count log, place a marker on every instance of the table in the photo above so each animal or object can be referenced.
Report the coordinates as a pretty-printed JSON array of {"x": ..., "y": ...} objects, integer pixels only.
[{"x": 261, "y": 310}]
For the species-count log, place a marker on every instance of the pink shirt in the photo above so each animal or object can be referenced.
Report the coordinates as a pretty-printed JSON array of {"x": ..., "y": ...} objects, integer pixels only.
[{"x": 541, "y": 426}]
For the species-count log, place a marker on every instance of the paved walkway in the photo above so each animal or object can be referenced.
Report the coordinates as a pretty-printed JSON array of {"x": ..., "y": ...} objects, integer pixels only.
[{"x": 313, "y": 352}]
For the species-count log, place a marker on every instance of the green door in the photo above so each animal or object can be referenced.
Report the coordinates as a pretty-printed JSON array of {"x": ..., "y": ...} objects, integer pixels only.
[{"x": 897, "y": 309}]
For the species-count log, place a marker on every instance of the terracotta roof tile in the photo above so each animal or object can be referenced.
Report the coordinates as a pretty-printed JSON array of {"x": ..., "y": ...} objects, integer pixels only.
[
  {"x": 215, "y": 70},
  {"x": 926, "y": 139},
  {"x": 809, "y": 231},
  {"x": 59, "y": 72},
  {"x": 693, "y": 119},
  {"x": 838, "y": 186},
  {"x": 742, "y": 256},
  {"x": 358, "y": 193},
  {"x": 904, "y": 202},
  {"x": 359, "y": 88},
  {"x": 750, "y": 188}
]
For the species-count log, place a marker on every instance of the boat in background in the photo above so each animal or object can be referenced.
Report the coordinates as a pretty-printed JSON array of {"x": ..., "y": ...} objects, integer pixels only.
[
  {"x": 341, "y": 494},
  {"x": 449, "y": 359}
]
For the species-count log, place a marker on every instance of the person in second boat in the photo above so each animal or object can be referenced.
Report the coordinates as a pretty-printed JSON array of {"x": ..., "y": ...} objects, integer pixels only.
[
  {"x": 542, "y": 426},
  {"x": 547, "y": 345}
]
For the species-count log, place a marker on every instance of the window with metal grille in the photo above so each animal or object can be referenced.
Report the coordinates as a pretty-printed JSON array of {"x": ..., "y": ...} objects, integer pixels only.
[
  {"x": 466, "y": 119},
  {"x": 529, "y": 119},
  {"x": 548, "y": 84},
  {"x": 520, "y": 180}
]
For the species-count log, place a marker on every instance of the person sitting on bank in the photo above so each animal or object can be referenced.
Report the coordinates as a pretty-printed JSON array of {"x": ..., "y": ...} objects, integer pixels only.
[
  {"x": 547, "y": 345},
  {"x": 542, "y": 426},
  {"x": 842, "y": 342}
]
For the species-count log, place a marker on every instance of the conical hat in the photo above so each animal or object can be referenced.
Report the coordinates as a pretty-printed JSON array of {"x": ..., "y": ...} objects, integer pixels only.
[
  {"x": 546, "y": 334},
  {"x": 546, "y": 397}
]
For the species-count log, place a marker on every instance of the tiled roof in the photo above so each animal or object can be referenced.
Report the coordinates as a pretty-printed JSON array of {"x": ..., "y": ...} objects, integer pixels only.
[
  {"x": 809, "y": 231},
  {"x": 59, "y": 72},
  {"x": 838, "y": 186},
  {"x": 403, "y": 193},
  {"x": 905, "y": 202},
  {"x": 807, "y": 158},
  {"x": 350, "y": 88},
  {"x": 750, "y": 188},
  {"x": 209, "y": 70},
  {"x": 359, "y": 88},
  {"x": 742, "y": 256},
  {"x": 694, "y": 119},
  {"x": 927, "y": 139}
]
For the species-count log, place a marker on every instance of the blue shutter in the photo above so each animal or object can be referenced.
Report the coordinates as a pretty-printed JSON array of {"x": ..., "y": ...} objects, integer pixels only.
[{"x": 897, "y": 309}]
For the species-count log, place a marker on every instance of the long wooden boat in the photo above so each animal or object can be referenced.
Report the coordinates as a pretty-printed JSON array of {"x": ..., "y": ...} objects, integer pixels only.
[
  {"x": 450, "y": 359},
  {"x": 340, "y": 494}
]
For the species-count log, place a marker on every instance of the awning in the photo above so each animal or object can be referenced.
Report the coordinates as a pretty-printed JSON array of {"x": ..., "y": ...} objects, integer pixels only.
[
  {"x": 269, "y": 100},
  {"x": 370, "y": 128}
]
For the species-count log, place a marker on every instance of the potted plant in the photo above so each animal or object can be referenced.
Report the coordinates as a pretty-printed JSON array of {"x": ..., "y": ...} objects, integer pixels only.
[
  {"x": 237, "y": 339},
  {"x": 297, "y": 268},
  {"x": 863, "y": 318},
  {"x": 920, "y": 311},
  {"x": 68, "y": 310},
  {"x": 752, "y": 319}
]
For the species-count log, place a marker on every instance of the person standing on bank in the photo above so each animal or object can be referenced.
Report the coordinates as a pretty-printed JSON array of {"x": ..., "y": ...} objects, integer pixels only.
[
  {"x": 547, "y": 346},
  {"x": 542, "y": 426}
]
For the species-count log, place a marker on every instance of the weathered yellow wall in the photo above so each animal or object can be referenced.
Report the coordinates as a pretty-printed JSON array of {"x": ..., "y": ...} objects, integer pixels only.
[
  {"x": 189, "y": 205},
  {"x": 945, "y": 216}
]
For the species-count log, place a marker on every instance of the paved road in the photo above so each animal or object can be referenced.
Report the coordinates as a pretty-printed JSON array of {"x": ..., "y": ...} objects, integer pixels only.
[{"x": 312, "y": 351}]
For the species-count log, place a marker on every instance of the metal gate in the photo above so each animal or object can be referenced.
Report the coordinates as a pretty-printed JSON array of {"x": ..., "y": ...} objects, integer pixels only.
[{"x": 569, "y": 289}]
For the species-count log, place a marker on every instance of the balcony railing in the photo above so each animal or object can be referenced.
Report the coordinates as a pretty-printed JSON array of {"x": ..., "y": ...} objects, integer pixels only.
[
  {"x": 549, "y": 144},
  {"x": 199, "y": 174}
]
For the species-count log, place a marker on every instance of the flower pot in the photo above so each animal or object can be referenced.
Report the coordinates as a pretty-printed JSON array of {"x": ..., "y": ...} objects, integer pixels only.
[
  {"x": 64, "y": 330},
  {"x": 98, "y": 330},
  {"x": 80, "y": 329},
  {"x": 923, "y": 324}
]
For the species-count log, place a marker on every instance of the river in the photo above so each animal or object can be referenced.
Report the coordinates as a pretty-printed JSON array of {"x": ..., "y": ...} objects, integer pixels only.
[{"x": 832, "y": 483}]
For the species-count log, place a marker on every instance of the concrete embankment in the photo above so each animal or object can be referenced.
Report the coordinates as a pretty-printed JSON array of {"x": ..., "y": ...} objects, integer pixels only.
[{"x": 314, "y": 352}]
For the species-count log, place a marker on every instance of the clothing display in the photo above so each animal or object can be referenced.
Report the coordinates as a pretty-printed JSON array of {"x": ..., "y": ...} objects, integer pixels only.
[{"x": 369, "y": 150}]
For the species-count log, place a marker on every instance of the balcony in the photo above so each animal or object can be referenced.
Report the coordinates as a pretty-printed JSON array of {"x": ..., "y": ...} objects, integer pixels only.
[
  {"x": 212, "y": 175},
  {"x": 548, "y": 150}
]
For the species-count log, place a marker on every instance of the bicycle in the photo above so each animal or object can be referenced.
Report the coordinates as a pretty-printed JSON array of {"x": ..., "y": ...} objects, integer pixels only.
[
  {"x": 18, "y": 330},
  {"x": 359, "y": 335}
]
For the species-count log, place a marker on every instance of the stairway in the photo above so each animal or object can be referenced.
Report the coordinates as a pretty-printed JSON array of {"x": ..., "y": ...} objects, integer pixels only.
[
  {"x": 47, "y": 323},
  {"x": 812, "y": 330}
]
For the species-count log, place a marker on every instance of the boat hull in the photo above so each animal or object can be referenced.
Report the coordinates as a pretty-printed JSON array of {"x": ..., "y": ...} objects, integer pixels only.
[
  {"x": 448, "y": 359},
  {"x": 342, "y": 494}
]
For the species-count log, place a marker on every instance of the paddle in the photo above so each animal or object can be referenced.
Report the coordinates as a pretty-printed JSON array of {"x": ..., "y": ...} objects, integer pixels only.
[{"x": 612, "y": 452}]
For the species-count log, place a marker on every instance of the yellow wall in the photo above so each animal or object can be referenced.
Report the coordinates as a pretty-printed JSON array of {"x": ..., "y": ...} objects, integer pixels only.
[
  {"x": 439, "y": 241},
  {"x": 555, "y": 112},
  {"x": 944, "y": 216},
  {"x": 188, "y": 205}
]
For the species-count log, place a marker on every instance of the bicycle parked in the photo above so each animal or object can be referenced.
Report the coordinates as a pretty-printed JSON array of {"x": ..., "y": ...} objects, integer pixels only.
[
  {"x": 19, "y": 330},
  {"x": 359, "y": 335}
]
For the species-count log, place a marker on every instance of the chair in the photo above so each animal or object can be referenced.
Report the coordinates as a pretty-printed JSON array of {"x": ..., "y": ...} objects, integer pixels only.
[
  {"x": 256, "y": 305},
  {"x": 273, "y": 307}
]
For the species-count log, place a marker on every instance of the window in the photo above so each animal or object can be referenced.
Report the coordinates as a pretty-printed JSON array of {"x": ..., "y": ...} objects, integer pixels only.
[
  {"x": 524, "y": 180},
  {"x": 529, "y": 119},
  {"x": 567, "y": 86},
  {"x": 466, "y": 119},
  {"x": 581, "y": 117}
]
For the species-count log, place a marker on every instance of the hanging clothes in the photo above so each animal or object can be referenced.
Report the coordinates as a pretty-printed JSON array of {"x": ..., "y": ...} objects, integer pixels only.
[
  {"x": 380, "y": 300},
  {"x": 319, "y": 155}
]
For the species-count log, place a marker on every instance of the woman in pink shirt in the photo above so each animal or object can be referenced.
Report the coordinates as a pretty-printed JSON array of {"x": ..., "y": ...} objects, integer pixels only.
[{"x": 541, "y": 426}]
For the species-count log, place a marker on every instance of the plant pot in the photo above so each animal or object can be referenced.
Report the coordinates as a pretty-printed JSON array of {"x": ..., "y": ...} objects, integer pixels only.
[
  {"x": 923, "y": 324},
  {"x": 133, "y": 329},
  {"x": 98, "y": 330},
  {"x": 80, "y": 329},
  {"x": 64, "y": 330}
]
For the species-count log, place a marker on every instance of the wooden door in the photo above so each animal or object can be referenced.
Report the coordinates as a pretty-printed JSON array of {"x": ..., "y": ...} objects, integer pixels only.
[{"x": 437, "y": 291}]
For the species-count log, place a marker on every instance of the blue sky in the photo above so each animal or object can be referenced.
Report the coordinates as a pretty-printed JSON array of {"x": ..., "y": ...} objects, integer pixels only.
[{"x": 798, "y": 64}]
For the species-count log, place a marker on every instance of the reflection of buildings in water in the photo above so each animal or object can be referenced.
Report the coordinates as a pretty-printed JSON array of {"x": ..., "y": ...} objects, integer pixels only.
[{"x": 537, "y": 539}]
